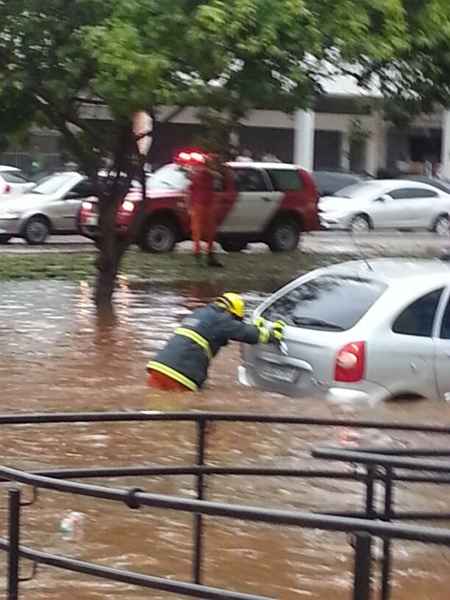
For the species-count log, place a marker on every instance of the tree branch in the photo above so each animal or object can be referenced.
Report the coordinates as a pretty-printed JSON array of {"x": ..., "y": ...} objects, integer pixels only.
[
  {"x": 87, "y": 158},
  {"x": 174, "y": 113}
]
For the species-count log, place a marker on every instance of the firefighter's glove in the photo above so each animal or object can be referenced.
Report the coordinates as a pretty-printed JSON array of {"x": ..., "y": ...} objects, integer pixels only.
[
  {"x": 259, "y": 322},
  {"x": 264, "y": 335},
  {"x": 277, "y": 332}
]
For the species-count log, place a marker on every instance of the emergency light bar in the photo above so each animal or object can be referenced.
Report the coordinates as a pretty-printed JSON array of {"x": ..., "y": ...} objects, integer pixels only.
[{"x": 193, "y": 157}]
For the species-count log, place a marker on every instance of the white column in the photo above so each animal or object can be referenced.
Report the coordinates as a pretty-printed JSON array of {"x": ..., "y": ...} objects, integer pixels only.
[
  {"x": 445, "y": 157},
  {"x": 383, "y": 143},
  {"x": 372, "y": 154},
  {"x": 345, "y": 151},
  {"x": 235, "y": 138},
  {"x": 376, "y": 145},
  {"x": 304, "y": 139}
]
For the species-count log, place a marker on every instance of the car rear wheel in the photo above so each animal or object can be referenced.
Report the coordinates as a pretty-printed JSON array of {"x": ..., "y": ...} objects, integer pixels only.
[
  {"x": 360, "y": 224},
  {"x": 442, "y": 226},
  {"x": 36, "y": 231},
  {"x": 284, "y": 235},
  {"x": 4, "y": 239},
  {"x": 233, "y": 245},
  {"x": 158, "y": 236}
]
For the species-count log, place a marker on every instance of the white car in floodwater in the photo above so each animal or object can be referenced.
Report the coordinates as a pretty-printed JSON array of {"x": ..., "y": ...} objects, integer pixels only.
[{"x": 369, "y": 331}]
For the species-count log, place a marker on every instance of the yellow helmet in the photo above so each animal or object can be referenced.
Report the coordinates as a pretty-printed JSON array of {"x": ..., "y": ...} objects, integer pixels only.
[{"x": 233, "y": 303}]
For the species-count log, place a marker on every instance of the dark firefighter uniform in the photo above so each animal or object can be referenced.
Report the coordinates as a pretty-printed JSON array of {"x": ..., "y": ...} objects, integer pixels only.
[{"x": 186, "y": 357}]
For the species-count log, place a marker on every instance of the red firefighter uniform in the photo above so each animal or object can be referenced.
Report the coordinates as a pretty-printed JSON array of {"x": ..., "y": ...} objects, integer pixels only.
[{"x": 203, "y": 208}]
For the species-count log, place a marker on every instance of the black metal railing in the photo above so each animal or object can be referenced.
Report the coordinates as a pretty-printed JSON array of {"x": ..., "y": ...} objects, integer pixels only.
[{"x": 384, "y": 466}]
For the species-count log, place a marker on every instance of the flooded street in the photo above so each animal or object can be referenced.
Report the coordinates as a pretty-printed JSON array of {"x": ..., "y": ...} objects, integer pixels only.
[{"x": 55, "y": 357}]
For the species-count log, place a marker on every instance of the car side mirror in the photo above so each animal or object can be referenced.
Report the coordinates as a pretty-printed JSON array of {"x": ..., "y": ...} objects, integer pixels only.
[{"x": 382, "y": 199}]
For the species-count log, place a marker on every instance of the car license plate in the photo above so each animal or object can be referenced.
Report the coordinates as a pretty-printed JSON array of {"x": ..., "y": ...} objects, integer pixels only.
[
  {"x": 279, "y": 373},
  {"x": 92, "y": 220}
]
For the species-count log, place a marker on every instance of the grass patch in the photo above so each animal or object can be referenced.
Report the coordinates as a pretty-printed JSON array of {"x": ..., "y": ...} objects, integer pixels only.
[
  {"x": 46, "y": 266},
  {"x": 241, "y": 269}
]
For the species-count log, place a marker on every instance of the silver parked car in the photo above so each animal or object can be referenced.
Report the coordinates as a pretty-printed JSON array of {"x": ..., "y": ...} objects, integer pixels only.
[
  {"x": 359, "y": 332},
  {"x": 13, "y": 181},
  {"x": 387, "y": 204},
  {"x": 52, "y": 206}
]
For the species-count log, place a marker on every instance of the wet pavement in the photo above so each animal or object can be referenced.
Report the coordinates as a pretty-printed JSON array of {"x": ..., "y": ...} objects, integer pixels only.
[{"x": 57, "y": 357}]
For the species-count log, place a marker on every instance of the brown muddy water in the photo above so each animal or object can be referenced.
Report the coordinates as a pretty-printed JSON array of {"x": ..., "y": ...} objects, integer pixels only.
[{"x": 55, "y": 357}]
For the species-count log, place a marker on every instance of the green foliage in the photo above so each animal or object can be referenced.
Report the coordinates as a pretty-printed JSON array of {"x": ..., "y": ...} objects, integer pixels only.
[
  {"x": 224, "y": 56},
  {"x": 227, "y": 56},
  {"x": 44, "y": 66},
  {"x": 418, "y": 75},
  {"x": 230, "y": 56}
]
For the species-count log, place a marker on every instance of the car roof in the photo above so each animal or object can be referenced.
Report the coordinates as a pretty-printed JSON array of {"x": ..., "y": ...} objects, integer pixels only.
[
  {"x": 379, "y": 185},
  {"x": 4, "y": 168},
  {"x": 394, "y": 183},
  {"x": 438, "y": 183},
  {"x": 409, "y": 182},
  {"x": 262, "y": 165},
  {"x": 339, "y": 173},
  {"x": 393, "y": 270},
  {"x": 68, "y": 173}
]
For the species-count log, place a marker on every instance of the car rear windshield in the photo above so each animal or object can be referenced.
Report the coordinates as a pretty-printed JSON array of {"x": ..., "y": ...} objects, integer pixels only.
[
  {"x": 357, "y": 190},
  {"x": 170, "y": 177},
  {"x": 52, "y": 183},
  {"x": 285, "y": 180},
  {"x": 330, "y": 183},
  {"x": 13, "y": 177},
  {"x": 328, "y": 302}
]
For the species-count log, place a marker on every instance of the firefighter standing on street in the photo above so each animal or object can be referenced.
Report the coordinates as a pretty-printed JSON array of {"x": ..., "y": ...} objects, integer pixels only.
[
  {"x": 203, "y": 209},
  {"x": 183, "y": 363}
]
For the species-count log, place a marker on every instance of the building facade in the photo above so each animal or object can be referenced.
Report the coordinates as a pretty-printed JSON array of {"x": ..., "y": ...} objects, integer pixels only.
[{"x": 346, "y": 130}]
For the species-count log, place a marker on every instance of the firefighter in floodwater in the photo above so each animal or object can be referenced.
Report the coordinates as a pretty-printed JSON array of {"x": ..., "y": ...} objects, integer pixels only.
[{"x": 183, "y": 363}]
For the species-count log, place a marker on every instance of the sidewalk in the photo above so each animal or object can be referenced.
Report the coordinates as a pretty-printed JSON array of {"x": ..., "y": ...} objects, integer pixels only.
[{"x": 330, "y": 243}]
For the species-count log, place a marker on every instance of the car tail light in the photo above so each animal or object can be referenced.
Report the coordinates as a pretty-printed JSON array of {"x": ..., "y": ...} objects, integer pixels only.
[
  {"x": 128, "y": 206},
  {"x": 7, "y": 189},
  {"x": 309, "y": 185},
  {"x": 350, "y": 363},
  {"x": 86, "y": 205}
]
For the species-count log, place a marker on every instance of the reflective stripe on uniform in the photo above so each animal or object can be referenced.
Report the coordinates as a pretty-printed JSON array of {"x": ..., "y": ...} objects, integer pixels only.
[
  {"x": 157, "y": 366},
  {"x": 195, "y": 337}
]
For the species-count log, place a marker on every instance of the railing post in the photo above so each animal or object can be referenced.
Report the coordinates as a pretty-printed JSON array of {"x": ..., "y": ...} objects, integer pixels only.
[
  {"x": 370, "y": 492},
  {"x": 198, "y": 519},
  {"x": 363, "y": 567},
  {"x": 387, "y": 516},
  {"x": 14, "y": 539}
]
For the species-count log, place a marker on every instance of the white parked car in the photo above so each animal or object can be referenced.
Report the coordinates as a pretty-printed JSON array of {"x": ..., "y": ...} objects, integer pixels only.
[
  {"x": 13, "y": 181},
  {"x": 356, "y": 332},
  {"x": 387, "y": 204},
  {"x": 51, "y": 207}
]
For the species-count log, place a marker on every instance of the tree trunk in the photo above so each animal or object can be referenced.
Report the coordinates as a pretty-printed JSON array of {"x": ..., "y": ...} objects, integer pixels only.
[
  {"x": 112, "y": 247},
  {"x": 108, "y": 258},
  {"x": 107, "y": 266}
]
